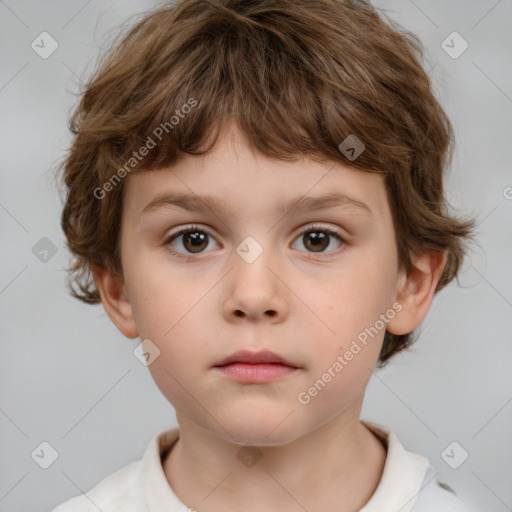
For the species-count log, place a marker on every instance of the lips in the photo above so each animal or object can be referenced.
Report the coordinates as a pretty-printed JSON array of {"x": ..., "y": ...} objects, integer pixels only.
[{"x": 263, "y": 357}]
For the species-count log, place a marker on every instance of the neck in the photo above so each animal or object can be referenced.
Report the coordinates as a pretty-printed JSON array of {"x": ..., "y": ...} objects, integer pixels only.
[{"x": 336, "y": 467}]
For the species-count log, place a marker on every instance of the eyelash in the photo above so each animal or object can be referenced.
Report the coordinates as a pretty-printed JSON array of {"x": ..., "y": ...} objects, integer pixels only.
[{"x": 195, "y": 228}]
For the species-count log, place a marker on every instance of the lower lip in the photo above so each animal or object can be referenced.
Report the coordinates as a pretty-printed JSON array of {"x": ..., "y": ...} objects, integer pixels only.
[{"x": 256, "y": 372}]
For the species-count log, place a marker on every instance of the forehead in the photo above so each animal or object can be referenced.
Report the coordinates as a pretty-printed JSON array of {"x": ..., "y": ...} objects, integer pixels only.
[{"x": 233, "y": 176}]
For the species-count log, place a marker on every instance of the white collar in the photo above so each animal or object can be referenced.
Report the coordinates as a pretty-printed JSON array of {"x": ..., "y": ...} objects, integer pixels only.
[{"x": 402, "y": 477}]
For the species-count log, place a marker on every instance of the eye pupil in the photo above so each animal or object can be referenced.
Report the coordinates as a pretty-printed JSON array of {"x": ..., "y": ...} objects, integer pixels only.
[
  {"x": 316, "y": 239},
  {"x": 196, "y": 238}
]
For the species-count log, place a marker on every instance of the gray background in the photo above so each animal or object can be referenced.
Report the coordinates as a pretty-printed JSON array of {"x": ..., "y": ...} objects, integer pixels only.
[{"x": 69, "y": 378}]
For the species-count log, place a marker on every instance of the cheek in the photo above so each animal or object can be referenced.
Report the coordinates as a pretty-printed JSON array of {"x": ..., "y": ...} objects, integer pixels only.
[
  {"x": 159, "y": 294},
  {"x": 183, "y": 356},
  {"x": 170, "y": 311},
  {"x": 350, "y": 307},
  {"x": 352, "y": 302}
]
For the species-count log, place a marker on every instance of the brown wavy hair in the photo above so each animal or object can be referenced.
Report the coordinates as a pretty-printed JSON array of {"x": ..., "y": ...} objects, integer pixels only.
[{"x": 297, "y": 77}]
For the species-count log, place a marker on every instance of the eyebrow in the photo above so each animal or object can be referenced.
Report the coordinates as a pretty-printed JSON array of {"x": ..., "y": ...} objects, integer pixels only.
[{"x": 203, "y": 204}]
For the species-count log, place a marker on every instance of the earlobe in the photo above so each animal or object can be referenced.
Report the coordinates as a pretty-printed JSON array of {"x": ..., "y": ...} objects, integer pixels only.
[
  {"x": 415, "y": 291},
  {"x": 115, "y": 300}
]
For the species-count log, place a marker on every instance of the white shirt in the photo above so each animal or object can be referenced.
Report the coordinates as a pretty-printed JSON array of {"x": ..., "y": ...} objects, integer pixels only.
[{"x": 408, "y": 483}]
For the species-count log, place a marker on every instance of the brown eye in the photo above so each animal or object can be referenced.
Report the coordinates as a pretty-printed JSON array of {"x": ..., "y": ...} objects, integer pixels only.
[
  {"x": 194, "y": 241},
  {"x": 189, "y": 241},
  {"x": 315, "y": 241},
  {"x": 318, "y": 239}
]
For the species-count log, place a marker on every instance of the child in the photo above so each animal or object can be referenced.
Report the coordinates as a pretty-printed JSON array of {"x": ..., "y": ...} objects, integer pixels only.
[{"x": 298, "y": 149}]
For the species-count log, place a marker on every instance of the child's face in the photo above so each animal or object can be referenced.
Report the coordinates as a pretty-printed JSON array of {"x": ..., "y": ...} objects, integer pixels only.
[{"x": 308, "y": 311}]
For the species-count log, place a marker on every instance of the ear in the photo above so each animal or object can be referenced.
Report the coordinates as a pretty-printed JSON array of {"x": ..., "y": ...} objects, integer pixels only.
[
  {"x": 115, "y": 300},
  {"x": 415, "y": 291}
]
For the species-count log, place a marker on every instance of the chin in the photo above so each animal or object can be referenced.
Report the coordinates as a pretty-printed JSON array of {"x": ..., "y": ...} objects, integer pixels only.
[{"x": 259, "y": 429}]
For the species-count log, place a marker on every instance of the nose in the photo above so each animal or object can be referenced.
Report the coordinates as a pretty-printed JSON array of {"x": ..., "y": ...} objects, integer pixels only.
[{"x": 256, "y": 290}]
